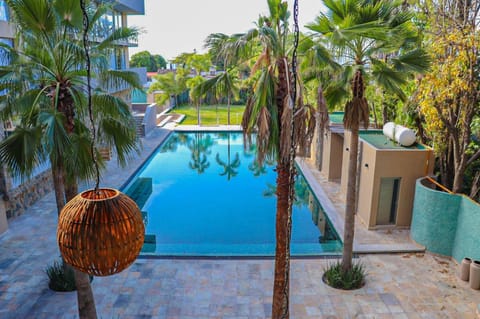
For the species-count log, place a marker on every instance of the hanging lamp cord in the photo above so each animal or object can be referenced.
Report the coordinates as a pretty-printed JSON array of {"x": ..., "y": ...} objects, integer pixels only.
[{"x": 86, "y": 47}]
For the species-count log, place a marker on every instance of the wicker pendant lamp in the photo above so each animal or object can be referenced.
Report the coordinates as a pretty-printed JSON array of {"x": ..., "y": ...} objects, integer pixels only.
[{"x": 100, "y": 231}]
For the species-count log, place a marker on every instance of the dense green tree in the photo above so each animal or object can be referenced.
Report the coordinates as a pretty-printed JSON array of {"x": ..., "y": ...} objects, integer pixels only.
[
  {"x": 169, "y": 84},
  {"x": 147, "y": 60},
  {"x": 160, "y": 60},
  {"x": 448, "y": 95},
  {"x": 360, "y": 33},
  {"x": 46, "y": 82}
]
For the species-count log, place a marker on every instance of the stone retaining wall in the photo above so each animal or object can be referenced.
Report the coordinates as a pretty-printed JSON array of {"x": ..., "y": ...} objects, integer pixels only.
[{"x": 24, "y": 196}]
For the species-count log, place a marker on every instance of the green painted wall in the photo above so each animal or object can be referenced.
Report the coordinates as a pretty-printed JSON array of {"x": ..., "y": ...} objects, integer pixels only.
[
  {"x": 446, "y": 224},
  {"x": 467, "y": 240},
  {"x": 138, "y": 96}
]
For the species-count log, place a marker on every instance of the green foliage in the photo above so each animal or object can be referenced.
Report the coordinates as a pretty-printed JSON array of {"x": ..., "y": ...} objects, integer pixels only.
[
  {"x": 169, "y": 84},
  {"x": 152, "y": 62},
  {"x": 60, "y": 278},
  {"x": 354, "y": 278},
  {"x": 378, "y": 38}
]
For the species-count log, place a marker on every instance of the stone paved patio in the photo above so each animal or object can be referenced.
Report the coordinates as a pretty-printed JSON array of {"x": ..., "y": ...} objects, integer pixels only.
[{"x": 408, "y": 285}]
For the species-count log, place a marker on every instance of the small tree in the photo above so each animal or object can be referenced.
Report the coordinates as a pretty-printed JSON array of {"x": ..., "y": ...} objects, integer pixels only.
[{"x": 195, "y": 94}]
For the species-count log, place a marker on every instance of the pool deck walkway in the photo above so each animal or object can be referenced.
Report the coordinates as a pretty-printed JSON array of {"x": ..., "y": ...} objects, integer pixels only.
[{"x": 403, "y": 285}]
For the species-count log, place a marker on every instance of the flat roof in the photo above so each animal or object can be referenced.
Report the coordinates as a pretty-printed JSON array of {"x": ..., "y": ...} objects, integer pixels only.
[
  {"x": 336, "y": 117},
  {"x": 380, "y": 141}
]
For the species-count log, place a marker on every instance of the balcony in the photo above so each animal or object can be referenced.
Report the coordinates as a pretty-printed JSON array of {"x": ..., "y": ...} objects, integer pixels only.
[{"x": 134, "y": 7}]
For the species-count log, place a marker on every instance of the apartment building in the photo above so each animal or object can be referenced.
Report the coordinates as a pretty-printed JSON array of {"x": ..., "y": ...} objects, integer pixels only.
[{"x": 19, "y": 194}]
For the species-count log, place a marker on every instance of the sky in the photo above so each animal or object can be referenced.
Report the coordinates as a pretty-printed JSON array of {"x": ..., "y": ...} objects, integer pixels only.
[{"x": 172, "y": 27}]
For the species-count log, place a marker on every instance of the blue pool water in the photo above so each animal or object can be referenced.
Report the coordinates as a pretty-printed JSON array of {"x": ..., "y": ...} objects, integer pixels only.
[{"x": 203, "y": 194}]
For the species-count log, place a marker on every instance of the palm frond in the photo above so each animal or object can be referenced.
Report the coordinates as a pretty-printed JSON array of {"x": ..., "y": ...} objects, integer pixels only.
[
  {"x": 35, "y": 15},
  {"x": 120, "y": 79},
  {"x": 118, "y": 36},
  {"x": 119, "y": 135},
  {"x": 22, "y": 150}
]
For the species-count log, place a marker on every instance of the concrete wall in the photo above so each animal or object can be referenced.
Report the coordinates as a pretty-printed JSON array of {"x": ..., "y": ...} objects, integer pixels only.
[
  {"x": 345, "y": 162},
  {"x": 368, "y": 177},
  {"x": 332, "y": 156},
  {"x": 150, "y": 118},
  {"x": 408, "y": 165},
  {"x": 446, "y": 224},
  {"x": 7, "y": 30}
]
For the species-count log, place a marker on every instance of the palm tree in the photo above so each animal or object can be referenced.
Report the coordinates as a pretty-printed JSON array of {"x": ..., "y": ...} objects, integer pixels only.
[
  {"x": 317, "y": 68},
  {"x": 269, "y": 112},
  {"x": 196, "y": 95},
  {"x": 200, "y": 148},
  {"x": 229, "y": 166},
  {"x": 360, "y": 34},
  {"x": 226, "y": 83},
  {"x": 223, "y": 84},
  {"x": 46, "y": 86},
  {"x": 170, "y": 84}
]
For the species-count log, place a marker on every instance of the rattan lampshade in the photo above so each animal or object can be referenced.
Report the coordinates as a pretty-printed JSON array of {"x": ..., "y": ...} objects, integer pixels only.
[{"x": 100, "y": 232}]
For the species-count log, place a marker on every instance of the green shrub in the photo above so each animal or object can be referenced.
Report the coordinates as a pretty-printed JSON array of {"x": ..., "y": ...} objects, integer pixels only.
[
  {"x": 61, "y": 278},
  {"x": 335, "y": 277}
]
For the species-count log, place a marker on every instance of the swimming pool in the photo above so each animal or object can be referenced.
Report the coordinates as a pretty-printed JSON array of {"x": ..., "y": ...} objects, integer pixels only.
[{"x": 203, "y": 194}]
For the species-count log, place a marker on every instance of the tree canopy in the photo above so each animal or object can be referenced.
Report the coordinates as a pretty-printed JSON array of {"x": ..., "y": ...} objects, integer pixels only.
[{"x": 152, "y": 62}]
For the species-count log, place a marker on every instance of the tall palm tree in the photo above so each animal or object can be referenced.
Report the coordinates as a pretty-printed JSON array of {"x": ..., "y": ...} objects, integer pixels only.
[
  {"x": 224, "y": 84},
  {"x": 200, "y": 148},
  {"x": 196, "y": 95},
  {"x": 222, "y": 47},
  {"x": 360, "y": 34},
  {"x": 229, "y": 166},
  {"x": 46, "y": 83},
  {"x": 269, "y": 112},
  {"x": 317, "y": 68}
]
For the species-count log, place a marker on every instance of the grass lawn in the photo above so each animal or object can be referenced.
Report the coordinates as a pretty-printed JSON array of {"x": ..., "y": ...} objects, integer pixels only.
[{"x": 208, "y": 114}]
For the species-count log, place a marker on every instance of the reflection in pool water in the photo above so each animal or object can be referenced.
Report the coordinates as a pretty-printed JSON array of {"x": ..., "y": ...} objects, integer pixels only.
[{"x": 203, "y": 194}]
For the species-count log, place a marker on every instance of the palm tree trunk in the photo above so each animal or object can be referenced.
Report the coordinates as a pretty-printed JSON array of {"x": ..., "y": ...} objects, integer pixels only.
[
  {"x": 319, "y": 148},
  {"x": 349, "y": 230},
  {"x": 85, "y": 299},
  {"x": 228, "y": 110},
  {"x": 281, "y": 285},
  {"x": 322, "y": 122},
  {"x": 58, "y": 186},
  {"x": 71, "y": 190},
  {"x": 198, "y": 114}
]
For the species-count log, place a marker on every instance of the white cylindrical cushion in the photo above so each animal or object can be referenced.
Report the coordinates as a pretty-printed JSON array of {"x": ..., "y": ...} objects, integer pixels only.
[
  {"x": 389, "y": 130},
  {"x": 400, "y": 134},
  {"x": 404, "y": 136}
]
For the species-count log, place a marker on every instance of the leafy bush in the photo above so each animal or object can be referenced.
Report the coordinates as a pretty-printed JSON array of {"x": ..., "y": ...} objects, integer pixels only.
[
  {"x": 61, "y": 278},
  {"x": 335, "y": 277}
]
